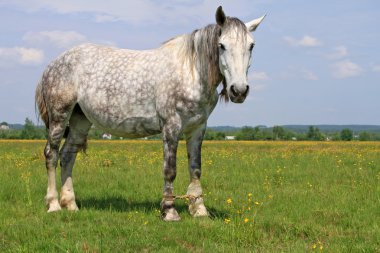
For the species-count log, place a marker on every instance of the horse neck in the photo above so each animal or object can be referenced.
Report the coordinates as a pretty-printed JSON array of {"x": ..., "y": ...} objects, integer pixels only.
[
  {"x": 197, "y": 55},
  {"x": 204, "y": 47},
  {"x": 209, "y": 74}
]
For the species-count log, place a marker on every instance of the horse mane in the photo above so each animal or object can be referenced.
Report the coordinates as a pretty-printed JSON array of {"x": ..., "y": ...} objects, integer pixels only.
[{"x": 201, "y": 51}]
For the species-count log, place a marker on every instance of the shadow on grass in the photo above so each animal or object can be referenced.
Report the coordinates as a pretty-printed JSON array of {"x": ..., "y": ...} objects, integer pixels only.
[{"x": 120, "y": 204}]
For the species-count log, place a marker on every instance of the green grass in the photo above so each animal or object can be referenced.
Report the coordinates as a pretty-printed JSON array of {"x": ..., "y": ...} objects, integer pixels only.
[{"x": 262, "y": 196}]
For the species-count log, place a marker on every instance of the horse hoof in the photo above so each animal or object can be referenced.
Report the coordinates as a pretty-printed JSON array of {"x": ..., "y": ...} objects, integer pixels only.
[
  {"x": 69, "y": 204},
  {"x": 197, "y": 208},
  {"x": 171, "y": 215},
  {"x": 199, "y": 211},
  {"x": 54, "y": 207},
  {"x": 72, "y": 207}
]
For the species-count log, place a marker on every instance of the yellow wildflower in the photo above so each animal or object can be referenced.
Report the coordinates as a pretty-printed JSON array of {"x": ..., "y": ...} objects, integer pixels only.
[
  {"x": 257, "y": 203},
  {"x": 249, "y": 194},
  {"x": 246, "y": 220},
  {"x": 227, "y": 221},
  {"x": 229, "y": 201}
]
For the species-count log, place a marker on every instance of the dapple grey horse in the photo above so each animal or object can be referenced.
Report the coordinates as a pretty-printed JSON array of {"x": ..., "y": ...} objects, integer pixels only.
[{"x": 169, "y": 90}]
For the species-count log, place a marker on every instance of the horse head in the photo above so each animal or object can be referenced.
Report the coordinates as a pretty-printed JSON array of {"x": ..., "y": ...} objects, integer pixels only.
[{"x": 235, "y": 52}]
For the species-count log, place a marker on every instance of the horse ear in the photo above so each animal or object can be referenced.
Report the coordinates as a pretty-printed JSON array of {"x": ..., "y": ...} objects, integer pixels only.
[
  {"x": 220, "y": 16},
  {"x": 252, "y": 25}
]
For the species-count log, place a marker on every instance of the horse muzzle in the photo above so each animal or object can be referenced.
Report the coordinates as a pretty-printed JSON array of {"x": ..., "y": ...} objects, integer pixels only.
[{"x": 238, "y": 93}]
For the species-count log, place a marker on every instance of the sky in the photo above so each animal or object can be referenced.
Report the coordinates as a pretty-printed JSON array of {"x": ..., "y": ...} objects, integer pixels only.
[{"x": 314, "y": 62}]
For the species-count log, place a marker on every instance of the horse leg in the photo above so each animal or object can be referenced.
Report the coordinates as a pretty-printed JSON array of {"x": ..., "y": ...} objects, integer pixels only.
[
  {"x": 56, "y": 131},
  {"x": 171, "y": 133},
  {"x": 194, "y": 145},
  {"x": 75, "y": 141}
]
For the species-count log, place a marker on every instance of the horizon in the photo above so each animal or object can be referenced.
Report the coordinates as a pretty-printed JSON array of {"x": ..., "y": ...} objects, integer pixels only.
[
  {"x": 323, "y": 69},
  {"x": 235, "y": 126}
]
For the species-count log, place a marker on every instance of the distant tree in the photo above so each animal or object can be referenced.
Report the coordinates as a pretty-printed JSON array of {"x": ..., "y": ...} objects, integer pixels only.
[
  {"x": 214, "y": 135},
  {"x": 209, "y": 135},
  {"x": 290, "y": 135},
  {"x": 30, "y": 131},
  {"x": 278, "y": 133},
  {"x": 258, "y": 133},
  {"x": 364, "y": 136},
  {"x": 375, "y": 137},
  {"x": 220, "y": 136},
  {"x": 267, "y": 134},
  {"x": 335, "y": 136},
  {"x": 300, "y": 136},
  {"x": 10, "y": 134},
  {"x": 314, "y": 134},
  {"x": 4, "y": 123},
  {"x": 346, "y": 135},
  {"x": 94, "y": 133},
  {"x": 247, "y": 133},
  {"x": 310, "y": 133}
]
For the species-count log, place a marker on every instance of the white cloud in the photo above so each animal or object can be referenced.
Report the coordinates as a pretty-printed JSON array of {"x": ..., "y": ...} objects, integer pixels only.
[
  {"x": 137, "y": 12},
  {"x": 305, "y": 41},
  {"x": 130, "y": 11},
  {"x": 346, "y": 69},
  {"x": 308, "y": 41},
  {"x": 298, "y": 73},
  {"x": 258, "y": 87},
  {"x": 338, "y": 53},
  {"x": 20, "y": 55},
  {"x": 309, "y": 75},
  {"x": 61, "y": 39},
  {"x": 102, "y": 18},
  {"x": 258, "y": 76},
  {"x": 376, "y": 68}
]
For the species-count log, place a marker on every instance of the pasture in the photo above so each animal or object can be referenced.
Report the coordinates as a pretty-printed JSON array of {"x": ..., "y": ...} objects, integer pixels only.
[{"x": 262, "y": 196}]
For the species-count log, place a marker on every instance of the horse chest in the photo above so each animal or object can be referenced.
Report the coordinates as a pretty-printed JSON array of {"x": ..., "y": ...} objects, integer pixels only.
[{"x": 196, "y": 112}]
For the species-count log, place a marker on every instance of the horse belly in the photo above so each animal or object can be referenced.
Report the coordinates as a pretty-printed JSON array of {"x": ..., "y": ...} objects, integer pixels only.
[
  {"x": 136, "y": 127},
  {"x": 122, "y": 122}
]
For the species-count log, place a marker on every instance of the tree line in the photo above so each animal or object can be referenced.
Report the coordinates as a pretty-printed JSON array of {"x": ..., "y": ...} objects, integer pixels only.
[
  {"x": 31, "y": 131},
  {"x": 280, "y": 133}
]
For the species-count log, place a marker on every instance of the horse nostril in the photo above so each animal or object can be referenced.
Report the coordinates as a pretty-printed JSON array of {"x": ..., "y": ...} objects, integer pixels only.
[
  {"x": 234, "y": 92},
  {"x": 246, "y": 91}
]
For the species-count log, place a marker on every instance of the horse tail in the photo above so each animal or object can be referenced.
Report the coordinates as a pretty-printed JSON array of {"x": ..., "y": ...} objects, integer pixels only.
[{"x": 41, "y": 104}]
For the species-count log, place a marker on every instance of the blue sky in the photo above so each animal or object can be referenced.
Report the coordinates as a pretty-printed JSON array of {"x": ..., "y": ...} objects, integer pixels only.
[{"x": 315, "y": 62}]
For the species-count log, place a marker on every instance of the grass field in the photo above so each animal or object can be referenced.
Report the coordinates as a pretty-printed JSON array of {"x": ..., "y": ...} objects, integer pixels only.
[{"x": 262, "y": 196}]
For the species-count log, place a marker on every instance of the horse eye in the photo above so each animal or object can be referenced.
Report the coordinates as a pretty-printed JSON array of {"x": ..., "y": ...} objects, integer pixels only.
[
  {"x": 222, "y": 47},
  {"x": 251, "y": 46}
]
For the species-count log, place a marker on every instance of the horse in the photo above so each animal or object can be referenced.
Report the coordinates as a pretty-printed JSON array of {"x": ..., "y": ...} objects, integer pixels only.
[{"x": 170, "y": 90}]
